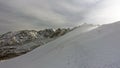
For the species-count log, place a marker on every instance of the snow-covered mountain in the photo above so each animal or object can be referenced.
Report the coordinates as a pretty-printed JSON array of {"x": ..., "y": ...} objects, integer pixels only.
[
  {"x": 16, "y": 43},
  {"x": 84, "y": 47}
]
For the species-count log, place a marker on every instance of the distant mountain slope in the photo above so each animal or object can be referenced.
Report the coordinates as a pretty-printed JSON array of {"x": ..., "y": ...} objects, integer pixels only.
[
  {"x": 13, "y": 44},
  {"x": 57, "y": 54}
]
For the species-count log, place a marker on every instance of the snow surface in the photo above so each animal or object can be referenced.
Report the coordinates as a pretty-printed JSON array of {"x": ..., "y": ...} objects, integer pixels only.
[{"x": 84, "y": 47}]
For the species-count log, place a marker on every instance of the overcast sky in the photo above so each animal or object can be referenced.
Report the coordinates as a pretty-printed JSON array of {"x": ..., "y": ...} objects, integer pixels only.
[{"x": 40, "y": 14}]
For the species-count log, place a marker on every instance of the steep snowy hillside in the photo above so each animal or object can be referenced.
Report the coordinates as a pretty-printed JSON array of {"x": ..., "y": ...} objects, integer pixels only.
[{"x": 85, "y": 47}]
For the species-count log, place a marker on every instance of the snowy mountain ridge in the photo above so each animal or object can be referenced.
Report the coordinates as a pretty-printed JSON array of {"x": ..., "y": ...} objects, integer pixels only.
[{"x": 16, "y": 43}]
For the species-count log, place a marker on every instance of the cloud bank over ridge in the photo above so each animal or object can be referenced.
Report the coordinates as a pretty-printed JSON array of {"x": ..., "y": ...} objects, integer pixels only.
[{"x": 40, "y": 14}]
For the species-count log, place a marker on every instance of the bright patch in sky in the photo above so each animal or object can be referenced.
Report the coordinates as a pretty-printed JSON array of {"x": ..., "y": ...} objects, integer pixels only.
[{"x": 108, "y": 11}]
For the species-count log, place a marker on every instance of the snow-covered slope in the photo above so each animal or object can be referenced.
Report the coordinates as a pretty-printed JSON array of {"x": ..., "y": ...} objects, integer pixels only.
[{"x": 85, "y": 47}]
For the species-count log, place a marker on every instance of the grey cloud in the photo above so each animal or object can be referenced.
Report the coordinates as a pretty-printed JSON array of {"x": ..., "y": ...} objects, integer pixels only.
[{"x": 40, "y": 14}]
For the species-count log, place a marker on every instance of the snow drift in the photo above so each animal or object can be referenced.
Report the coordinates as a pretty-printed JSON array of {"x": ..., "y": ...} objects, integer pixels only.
[{"x": 84, "y": 47}]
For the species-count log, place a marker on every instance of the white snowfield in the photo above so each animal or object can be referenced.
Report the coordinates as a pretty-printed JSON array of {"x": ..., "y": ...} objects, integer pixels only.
[{"x": 85, "y": 47}]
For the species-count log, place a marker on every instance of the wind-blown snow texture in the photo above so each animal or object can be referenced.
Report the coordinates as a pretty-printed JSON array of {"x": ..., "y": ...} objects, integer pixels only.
[{"x": 81, "y": 48}]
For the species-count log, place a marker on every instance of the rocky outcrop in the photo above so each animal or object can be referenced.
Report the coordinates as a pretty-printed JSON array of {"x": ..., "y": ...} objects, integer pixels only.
[
  {"x": 18, "y": 38},
  {"x": 59, "y": 32},
  {"x": 13, "y": 44}
]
